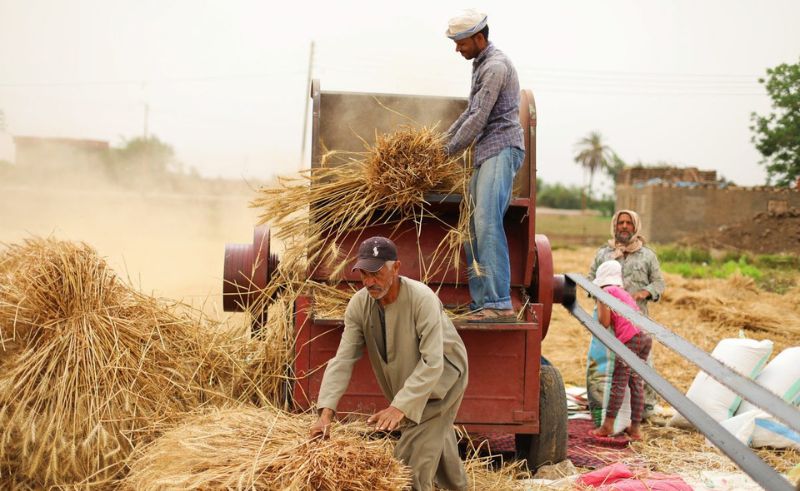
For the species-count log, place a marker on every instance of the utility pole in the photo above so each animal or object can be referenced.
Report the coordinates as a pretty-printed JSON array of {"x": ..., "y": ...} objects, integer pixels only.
[
  {"x": 308, "y": 97},
  {"x": 145, "y": 131},
  {"x": 146, "y": 118}
]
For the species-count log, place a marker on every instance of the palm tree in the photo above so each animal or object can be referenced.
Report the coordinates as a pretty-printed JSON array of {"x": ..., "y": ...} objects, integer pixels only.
[{"x": 593, "y": 155}]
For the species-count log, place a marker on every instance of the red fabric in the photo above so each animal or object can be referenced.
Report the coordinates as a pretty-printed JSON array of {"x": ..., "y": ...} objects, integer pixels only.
[
  {"x": 608, "y": 474},
  {"x": 585, "y": 450},
  {"x": 617, "y": 477}
]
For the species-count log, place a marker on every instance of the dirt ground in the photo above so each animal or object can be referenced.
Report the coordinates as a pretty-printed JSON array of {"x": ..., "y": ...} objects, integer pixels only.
[{"x": 765, "y": 233}]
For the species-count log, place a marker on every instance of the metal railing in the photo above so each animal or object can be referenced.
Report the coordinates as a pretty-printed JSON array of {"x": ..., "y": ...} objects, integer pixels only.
[{"x": 738, "y": 452}]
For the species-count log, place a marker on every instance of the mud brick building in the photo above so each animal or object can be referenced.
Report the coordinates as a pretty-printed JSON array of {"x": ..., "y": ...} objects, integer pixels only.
[
  {"x": 43, "y": 153},
  {"x": 676, "y": 202}
]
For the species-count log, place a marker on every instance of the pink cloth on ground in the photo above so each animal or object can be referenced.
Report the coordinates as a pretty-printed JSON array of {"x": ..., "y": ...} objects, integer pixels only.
[
  {"x": 617, "y": 477},
  {"x": 623, "y": 328}
]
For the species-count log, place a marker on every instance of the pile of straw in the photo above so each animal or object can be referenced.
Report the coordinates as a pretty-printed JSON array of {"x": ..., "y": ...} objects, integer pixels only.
[
  {"x": 266, "y": 449},
  {"x": 386, "y": 184},
  {"x": 409, "y": 162},
  {"x": 738, "y": 306},
  {"x": 91, "y": 368}
]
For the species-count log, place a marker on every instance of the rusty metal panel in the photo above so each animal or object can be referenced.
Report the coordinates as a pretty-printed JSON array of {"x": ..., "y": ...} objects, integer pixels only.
[
  {"x": 345, "y": 118},
  {"x": 410, "y": 243},
  {"x": 344, "y": 121}
]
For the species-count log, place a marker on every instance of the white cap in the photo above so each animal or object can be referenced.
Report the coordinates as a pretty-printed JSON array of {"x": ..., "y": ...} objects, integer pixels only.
[
  {"x": 466, "y": 24},
  {"x": 609, "y": 273}
]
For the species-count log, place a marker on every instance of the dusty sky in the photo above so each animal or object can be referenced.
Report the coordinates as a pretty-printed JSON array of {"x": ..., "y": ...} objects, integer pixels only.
[{"x": 225, "y": 81}]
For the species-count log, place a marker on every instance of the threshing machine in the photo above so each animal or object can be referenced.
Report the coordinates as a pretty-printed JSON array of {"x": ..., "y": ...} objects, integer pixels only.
[{"x": 511, "y": 388}]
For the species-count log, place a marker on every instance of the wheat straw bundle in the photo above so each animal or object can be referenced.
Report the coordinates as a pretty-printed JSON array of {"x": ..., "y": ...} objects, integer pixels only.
[
  {"x": 264, "y": 449},
  {"x": 97, "y": 367},
  {"x": 386, "y": 184},
  {"x": 408, "y": 163}
]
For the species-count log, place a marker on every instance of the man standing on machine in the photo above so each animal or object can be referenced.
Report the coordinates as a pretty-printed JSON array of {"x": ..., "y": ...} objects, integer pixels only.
[{"x": 491, "y": 121}]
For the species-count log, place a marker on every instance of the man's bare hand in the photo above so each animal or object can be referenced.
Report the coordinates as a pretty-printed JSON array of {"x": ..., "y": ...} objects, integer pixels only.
[
  {"x": 387, "y": 419},
  {"x": 321, "y": 429},
  {"x": 641, "y": 295}
]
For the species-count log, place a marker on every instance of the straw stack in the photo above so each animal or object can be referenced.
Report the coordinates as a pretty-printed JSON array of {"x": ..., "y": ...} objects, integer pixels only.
[
  {"x": 409, "y": 162},
  {"x": 268, "y": 449},
  {"x": 384, "y": 185},
  {"x": 264, "y": 449},
  {"x": 91, "y": 368}
]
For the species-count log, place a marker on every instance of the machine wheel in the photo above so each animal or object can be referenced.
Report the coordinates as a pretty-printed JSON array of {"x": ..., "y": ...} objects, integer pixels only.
[{"x": 550, "y": 445}]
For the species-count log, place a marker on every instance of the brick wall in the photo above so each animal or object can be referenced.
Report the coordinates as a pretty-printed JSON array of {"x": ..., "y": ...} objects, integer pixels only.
[
  {"x": 670, "y": 213},
  {"x": 640, "y": 175}
]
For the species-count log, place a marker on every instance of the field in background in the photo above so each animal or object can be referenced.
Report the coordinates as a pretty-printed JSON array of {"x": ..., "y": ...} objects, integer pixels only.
[{"x": 565, "y": 227}]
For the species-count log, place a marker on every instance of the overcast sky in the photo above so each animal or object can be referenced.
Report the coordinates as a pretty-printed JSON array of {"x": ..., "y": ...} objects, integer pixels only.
[{"x": 225, "y": 81}]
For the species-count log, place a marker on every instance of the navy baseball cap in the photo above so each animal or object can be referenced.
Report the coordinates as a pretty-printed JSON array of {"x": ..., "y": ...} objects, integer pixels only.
[{"x": 374, "y": 252}]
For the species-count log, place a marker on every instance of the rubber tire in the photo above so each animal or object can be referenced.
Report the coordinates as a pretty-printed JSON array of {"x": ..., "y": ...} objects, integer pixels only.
[{"x": 550, "y": 445}]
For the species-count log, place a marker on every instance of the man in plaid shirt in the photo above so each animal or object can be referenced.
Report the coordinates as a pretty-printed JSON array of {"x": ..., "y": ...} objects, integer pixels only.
[{"x": 491, "y": 120}]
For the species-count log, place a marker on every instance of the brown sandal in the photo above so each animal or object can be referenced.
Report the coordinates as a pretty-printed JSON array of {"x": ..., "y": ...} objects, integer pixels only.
[{"x": 493, "y": 316}]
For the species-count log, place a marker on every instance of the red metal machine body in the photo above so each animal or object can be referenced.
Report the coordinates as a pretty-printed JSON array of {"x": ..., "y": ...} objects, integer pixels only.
[{"x": 504, "y": 359}]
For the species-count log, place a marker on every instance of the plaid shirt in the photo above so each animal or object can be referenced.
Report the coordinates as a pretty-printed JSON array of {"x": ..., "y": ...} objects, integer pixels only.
[{"x": 492, "y": 116}]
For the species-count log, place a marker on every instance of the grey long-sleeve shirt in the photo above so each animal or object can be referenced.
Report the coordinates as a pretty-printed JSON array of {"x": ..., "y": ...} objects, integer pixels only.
[{"x": 492, "y": 116}]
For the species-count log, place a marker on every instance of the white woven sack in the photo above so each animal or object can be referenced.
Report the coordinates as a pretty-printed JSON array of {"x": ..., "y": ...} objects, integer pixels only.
[
  {"x": 781, "y": 376},
  {"x": 741, "y": 426},
  {"x": 769, "y": 432},
  {"x": 744, "y": 356}
]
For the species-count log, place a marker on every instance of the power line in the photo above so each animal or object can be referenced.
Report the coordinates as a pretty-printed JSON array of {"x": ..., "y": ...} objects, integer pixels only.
[
  {"x": 581, "y": 72},
  {"x": 643, "y": 74},
  {"x": 610, "y": 87},
  {"x": 209, "y": 78}
]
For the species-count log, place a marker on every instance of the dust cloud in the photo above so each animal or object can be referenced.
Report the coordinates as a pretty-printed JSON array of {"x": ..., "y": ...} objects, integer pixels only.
[{"x": 167, "y": 240}]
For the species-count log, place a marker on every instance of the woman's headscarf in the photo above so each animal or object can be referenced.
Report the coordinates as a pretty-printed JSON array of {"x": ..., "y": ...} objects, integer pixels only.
[{"x": 637, "y": 240}]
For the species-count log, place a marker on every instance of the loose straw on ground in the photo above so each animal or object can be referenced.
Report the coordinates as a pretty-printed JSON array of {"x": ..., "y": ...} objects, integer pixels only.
[
  {"x": 268, "y": 449},
  {"x": 265, "y": 449},
  {"x": 685, "y": 452}
]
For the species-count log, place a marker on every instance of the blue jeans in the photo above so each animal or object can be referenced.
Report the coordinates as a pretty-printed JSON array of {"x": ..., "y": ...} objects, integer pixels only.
[{"x": 490, "y": 194}]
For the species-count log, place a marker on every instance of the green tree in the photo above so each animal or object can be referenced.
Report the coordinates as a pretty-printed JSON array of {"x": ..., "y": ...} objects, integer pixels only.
[
  {"x": 593, "y": 155},
  {"x": 777, "y": 135},
  {"x": 559, "y": 196}
]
